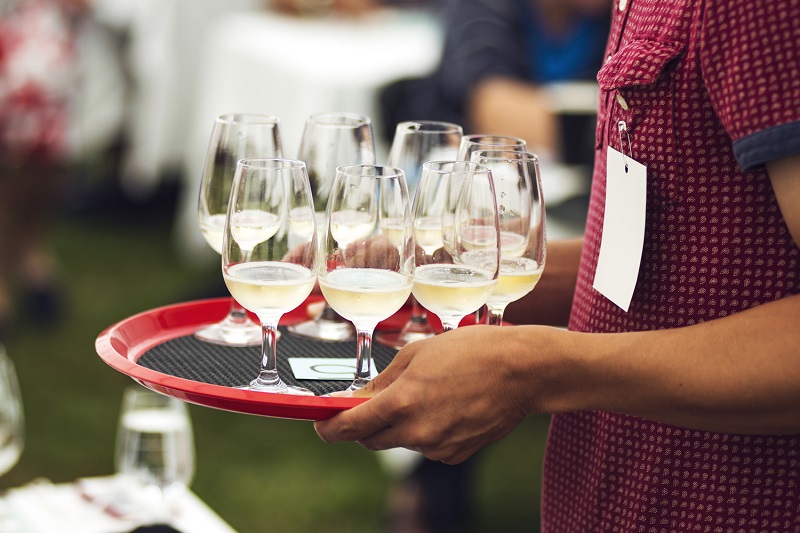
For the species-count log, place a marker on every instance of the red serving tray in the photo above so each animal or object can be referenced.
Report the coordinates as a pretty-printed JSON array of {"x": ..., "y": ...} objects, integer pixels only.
[{"x": 121, "y": 345}]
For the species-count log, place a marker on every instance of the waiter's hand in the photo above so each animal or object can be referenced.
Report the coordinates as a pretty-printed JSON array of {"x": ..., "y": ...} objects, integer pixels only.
[{"x": 445, "y": 397}]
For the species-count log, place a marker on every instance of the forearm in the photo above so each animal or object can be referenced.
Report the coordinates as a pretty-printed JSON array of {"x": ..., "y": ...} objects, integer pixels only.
[
  {"x": 551, "y": 301},
  {"x": 515, "y": 108},
  {"x": 738, "y": 374}
]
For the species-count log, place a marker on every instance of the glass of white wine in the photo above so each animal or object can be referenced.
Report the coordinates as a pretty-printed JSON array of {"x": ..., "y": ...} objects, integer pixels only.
[
  {"x": 330, "y": 140},
  {"x": 269, "y": 251},
  {"x": 456, "y": 225},
  {"x": 368, "y": 252},
  {"x": 414, "y": 143},
  {"x": 154, "y": 453},
  {"x": 523, "y": 234},
  {"x": 234, "y": 136}
]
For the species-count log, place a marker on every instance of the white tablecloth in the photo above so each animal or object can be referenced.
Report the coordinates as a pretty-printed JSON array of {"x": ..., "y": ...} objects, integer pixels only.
[{"x": 87, "y": 506}]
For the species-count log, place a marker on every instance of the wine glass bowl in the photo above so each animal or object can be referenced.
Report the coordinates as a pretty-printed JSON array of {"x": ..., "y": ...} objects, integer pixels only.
[
  {"x": 521, "y": 213},
  {"x": 474, "y": 142},
  {"x": 366, "y": 271},
  {"x": 458, "y": 270},
  {"x": 414, "y": 143},
  {"x": 330, "y": 140},
  {"x": 269, "y": 252},
  {"x": 234, "y": 136}
]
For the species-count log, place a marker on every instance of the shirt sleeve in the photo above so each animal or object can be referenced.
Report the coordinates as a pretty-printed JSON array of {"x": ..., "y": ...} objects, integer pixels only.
[
  {"x": 751, "y": 65},
  {"x": 483, "y": 39}
]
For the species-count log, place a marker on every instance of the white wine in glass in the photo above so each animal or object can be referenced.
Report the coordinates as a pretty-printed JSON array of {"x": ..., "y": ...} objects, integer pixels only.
[
  {"x": 458, "y": 271},
  {"x": 234, "y": 136},
  {"x": 330, "y": 140},
  {"x": 269, "y": 252},
  {"x": 414, "y": 143},
  {"x": 523, "y": 234},
  {"x": 366, "y": 273}
]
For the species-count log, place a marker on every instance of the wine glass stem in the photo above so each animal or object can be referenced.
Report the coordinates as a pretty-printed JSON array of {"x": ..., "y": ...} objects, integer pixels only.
[
  {"x": 363, "y": 358},
  {"x": 237, "y": 313},
  {"x": 269, "y": 366},
  {"x": 418, "y": 313},
  {"x": 495, "y": 316}
]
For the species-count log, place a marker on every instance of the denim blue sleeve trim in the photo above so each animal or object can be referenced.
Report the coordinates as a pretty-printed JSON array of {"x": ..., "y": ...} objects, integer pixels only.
[{"x": 767, "y": 145}]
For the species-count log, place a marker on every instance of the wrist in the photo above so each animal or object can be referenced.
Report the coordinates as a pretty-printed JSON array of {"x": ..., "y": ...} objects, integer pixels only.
[{"x": 558, "y": 371}]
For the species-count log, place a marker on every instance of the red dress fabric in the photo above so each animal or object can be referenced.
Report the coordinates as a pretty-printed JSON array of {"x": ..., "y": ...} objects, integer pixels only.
[{"x": 699, "y": 84}]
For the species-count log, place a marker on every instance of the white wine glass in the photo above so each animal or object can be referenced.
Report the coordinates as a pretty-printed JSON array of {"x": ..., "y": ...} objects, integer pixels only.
[
  {"x": 330, "y": 140},
  {"x": 154, "y": 452},
  {"x": 414, "y": 143},
  {"x": 368, "y": 252},
  {"x": 12, "y": 421},
  {"x": 482, "y": 141},
  {"x": 234, "y": 136},
  {"x": 456, "y": 226},
  {"x": 521, "y": 213},
  {"x": 269, "y": 252}
]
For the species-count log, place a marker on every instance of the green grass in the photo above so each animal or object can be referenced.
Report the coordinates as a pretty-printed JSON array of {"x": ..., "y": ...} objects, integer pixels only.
[{"x": 251, "y": 470}]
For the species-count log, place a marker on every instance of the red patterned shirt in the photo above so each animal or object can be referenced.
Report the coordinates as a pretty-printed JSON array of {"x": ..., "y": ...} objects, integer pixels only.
[{"x": 710, "y": 91}]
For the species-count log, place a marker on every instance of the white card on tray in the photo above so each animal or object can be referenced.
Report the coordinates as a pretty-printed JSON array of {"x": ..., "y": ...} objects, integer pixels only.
[{"x": 326, "y": 368}]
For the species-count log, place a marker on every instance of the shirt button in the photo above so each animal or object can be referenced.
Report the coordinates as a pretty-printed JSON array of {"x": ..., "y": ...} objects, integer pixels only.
[
  {"x": 623, "y": 4},
  {"x": 622, "y": 103},
  {"x": 608, "y": 58}
]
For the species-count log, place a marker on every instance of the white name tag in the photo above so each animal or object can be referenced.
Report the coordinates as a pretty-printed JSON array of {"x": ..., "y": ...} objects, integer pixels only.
[
  {"x": 324, "y": 368},
  {"x": 623, "y": 229}
]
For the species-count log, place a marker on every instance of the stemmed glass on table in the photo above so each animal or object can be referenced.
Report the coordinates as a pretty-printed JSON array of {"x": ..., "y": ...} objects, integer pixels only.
[
  {"x": 456, "y": 225},
  {"x": 12, "y": 424},
  {"x": 414, "y": 143},
  {"x": 330, "y": 140},
  {"x": 269, "y": 251},
  {"x": 367, "y": 267},
  {"x": 234, "y": 136},
  {"x": 521, "y": 213},
  {"x": 154, "y": 454}
]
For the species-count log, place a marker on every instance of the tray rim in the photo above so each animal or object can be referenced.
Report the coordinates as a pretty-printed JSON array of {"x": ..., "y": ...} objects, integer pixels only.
[{"x": 121, "y": 344}]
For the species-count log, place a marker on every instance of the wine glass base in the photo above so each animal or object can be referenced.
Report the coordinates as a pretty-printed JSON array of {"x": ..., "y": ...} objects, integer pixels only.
[
  {"x": 358, "y": 384},
  {"x": 399, "y": 339},
  {"x": 324, "y": 330},
  {"x": 276, "y": 388},
  {"x": 231, "y": 335}
]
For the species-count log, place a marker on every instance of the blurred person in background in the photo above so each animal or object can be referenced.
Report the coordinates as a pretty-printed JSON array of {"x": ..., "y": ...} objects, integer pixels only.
[
  {"x": 38, "y": 40},
  {"x": 338, "y": 7},
  {"x": 499, "y": 56}
]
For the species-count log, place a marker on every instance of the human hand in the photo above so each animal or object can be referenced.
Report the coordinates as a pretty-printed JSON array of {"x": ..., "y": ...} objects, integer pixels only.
[
  {"x": 321, "y": 7},
  {"x": 445, "y": 397}
]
